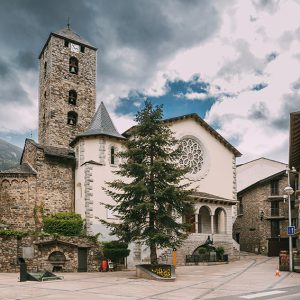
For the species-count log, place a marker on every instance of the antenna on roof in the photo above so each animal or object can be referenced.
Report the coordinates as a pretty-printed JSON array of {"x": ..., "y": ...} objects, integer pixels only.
[{"x": 68, "y": 23}]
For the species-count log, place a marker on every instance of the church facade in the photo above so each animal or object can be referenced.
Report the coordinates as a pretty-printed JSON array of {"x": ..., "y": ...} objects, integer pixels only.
[{"x": 76, "y": 154}]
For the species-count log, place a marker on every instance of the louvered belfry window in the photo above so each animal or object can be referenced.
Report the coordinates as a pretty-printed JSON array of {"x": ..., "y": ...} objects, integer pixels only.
[
  {"x": 72, "y": 118},
  {"x": 72, "y": 97},
  {"x": 73, "y": 67}
]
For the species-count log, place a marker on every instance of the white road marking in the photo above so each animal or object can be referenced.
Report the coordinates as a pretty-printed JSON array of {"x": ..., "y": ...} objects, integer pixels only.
[{"x": 258, "y": 295}]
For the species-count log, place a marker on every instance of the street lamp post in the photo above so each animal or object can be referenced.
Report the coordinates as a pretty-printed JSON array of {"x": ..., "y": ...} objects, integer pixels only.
[{"x": 289, "y": 191}]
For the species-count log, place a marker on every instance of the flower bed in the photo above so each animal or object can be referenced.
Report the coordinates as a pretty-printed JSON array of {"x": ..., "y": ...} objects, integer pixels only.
[
  {"x": 156, "y": 272},
  {"x": 163, "y": 271}
]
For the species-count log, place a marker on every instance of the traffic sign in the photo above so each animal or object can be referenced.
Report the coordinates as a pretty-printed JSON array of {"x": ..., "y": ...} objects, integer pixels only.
[{"x": 291, "y": 230}]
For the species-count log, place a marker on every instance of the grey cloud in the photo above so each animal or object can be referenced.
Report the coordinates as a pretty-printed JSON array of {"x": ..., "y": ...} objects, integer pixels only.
[
  {"x": 26, "y": 60},
  {"x": 10, "y": 89},
  {"x": 152, "y": 31},
  {"x": 11, "y": 92},
  {"x": 259, "y": 111},
  {"x": 167, "y": 27},
  {"x": 296, "y": 85},
  {"x": 290, "y": 104},
  {"x": 246, "y": 61},
  {"x": 4, "y": 69},
  {"x": 269, "y": 5},
  {"x": 271, "y": 56}
]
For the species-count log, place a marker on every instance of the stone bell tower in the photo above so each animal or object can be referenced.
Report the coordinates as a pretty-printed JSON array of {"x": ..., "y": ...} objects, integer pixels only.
[{"x": 67, "y": 87}]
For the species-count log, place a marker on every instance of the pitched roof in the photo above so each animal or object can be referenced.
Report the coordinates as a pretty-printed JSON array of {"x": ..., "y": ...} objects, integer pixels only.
[
  {"x": 100, "y": 125},
  {"x": 51, "y": 150},
  {"x": 213, "y": 198},
  {"x": 262, "y": 158},
  {"x": 263, "y": 181},
  {"x": 24, "y": 169},
  {"x": 203, "y": 124},
  {"x": 256, "y": 170},
  {"x": 70, "y": 35},
  {"x": 59, "y": 152}
]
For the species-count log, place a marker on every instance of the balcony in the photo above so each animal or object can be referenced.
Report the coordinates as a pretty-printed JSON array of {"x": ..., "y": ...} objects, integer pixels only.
[{"x": 275, "y": 214}]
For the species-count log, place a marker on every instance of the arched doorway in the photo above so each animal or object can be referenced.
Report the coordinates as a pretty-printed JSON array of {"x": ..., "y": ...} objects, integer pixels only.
[
  {"x": 204, "y": 223},
  {"x": 220, "y": 221}
]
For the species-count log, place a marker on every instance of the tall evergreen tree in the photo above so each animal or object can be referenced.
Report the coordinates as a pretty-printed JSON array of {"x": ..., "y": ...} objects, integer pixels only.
[{"x": 150, "y": 196}]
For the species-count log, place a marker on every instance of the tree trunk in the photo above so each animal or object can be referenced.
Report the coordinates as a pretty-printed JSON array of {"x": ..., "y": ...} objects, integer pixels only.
[{"x": 153, "y": 254}]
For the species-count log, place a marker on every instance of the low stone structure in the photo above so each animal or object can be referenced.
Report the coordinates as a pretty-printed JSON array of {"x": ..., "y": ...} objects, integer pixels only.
[{"x": 63, "y": 254}]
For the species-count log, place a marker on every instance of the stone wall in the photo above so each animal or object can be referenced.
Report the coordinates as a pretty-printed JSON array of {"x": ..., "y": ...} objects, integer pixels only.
[
  {"x": 196, "y": 240},
  {"x": 55, "y": 179},
  {"x": 18, "y": 200},
  {"x": 254, "y": 232},
  {"x": 55, "y": 82},
  {"x": 36, "y": 251}
]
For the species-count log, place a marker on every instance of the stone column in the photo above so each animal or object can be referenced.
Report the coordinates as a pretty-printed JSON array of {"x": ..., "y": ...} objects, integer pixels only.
[
  {"x": 196, "y": 223},
  {"x": 212, "y": 224}
]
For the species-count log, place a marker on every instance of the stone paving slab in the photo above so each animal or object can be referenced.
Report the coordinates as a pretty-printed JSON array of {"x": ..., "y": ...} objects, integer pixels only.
[{"x": 250, "y": 274}]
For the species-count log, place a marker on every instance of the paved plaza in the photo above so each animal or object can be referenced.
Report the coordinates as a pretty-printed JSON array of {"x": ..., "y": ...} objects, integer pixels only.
[{"x": 250, "y": 274}]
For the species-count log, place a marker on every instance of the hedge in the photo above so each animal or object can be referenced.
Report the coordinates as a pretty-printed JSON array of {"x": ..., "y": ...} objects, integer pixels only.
[
  {"x": 68, "y": 224},
  {"x": 115, "y": 250}
]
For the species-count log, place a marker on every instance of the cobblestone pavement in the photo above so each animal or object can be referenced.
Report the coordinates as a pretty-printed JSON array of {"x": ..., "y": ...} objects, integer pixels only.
[{"x": 250, "y": 274}]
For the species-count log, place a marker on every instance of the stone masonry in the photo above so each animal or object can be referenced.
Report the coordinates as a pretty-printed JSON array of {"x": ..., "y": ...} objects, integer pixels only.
[
  {"x": 18, "y": 200},
  {"x": 55, "y": 83},
  {"x": 55, "y": 176},
  {"x": 36, "y": 252},
  {"x": 254, "y": 231}
]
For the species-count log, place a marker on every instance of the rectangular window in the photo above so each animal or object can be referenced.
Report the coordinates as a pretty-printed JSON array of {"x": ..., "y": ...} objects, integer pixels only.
[
  {"x": 82, "y": 48},
  {"x": 275, "y": 228},
  {"x": 112, "y": 155},
  {"x": 274, "y": 208},
  {"x": 66, "y": 43},
  {"x": 274, "y": 188}
]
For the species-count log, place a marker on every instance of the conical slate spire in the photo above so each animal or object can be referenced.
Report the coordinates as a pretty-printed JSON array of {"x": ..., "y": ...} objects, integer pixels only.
[{"x": 102, "y": 124}]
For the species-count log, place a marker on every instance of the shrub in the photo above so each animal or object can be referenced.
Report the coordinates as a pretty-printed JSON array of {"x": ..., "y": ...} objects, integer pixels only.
[
  {"x": 220, "y": 250},
  {"x": 68, "y": 224},
  {"x": 11, "y": 232},
  {"x": 202, "y": 250},
  {"x": 115, "y": 250}
]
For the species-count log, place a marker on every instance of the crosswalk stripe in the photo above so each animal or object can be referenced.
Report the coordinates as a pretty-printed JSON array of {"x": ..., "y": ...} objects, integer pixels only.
[{"x": 262, "y": 294}]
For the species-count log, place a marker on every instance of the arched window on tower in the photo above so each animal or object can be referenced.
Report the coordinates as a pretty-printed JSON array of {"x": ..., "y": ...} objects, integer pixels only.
[
  {"x": 72, "y": 97},
  {"x": 72, "y": 118},
  {"x": 73, "y": 65}
]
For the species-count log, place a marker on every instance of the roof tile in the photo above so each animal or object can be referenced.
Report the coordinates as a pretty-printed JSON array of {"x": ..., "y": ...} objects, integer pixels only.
[
  {"x": 101, "y": 125},
  {"x": 68, "y": 33}
]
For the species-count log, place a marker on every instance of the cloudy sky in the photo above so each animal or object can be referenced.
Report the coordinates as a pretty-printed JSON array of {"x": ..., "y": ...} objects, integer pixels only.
[{"x": 235, "y": 63}]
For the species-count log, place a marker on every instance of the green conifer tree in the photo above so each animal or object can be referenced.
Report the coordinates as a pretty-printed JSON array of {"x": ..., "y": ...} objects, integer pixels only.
[{"x": 150, "y": 196}]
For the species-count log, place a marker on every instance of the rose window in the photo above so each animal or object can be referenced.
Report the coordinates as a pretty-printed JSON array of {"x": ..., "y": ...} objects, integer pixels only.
[{"x": 192, "y": 155}]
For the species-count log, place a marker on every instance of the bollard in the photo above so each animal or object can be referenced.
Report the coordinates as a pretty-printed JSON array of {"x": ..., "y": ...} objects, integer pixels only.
[{"x": 23, "y": 269}]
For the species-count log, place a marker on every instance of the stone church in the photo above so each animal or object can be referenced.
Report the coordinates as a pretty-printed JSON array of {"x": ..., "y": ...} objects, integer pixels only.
[{"x": 76, "y": 154}]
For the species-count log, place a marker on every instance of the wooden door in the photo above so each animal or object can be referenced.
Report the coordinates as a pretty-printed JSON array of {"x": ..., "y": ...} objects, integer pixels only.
[{"x": 82, "y": 259}]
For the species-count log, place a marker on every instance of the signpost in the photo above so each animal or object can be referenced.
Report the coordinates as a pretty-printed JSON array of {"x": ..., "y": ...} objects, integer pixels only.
[{"x": 291, "y": 230}]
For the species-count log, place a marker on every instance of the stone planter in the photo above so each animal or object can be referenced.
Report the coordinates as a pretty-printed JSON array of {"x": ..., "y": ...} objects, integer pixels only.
[{"x": 156, "y": 272}]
